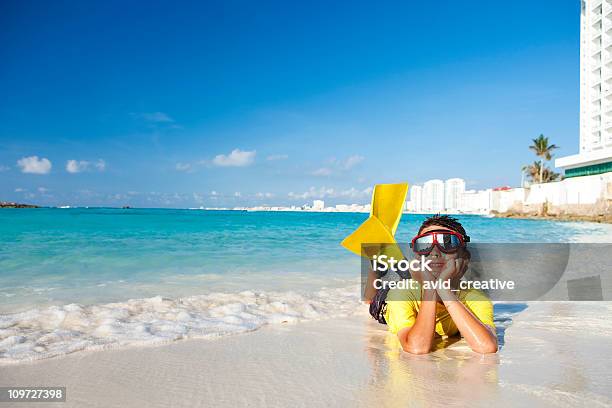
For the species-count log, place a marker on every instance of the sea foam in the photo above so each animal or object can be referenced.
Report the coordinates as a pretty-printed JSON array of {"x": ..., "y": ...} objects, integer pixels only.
[{"x": 59, "y": 330}]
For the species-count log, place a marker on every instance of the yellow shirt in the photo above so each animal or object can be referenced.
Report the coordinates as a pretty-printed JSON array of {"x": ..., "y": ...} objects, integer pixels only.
[{"x": 403, "y": 306}]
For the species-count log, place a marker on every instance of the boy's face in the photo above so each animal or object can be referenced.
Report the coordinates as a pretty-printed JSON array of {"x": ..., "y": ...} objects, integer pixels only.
[{"x": 438, "y": 258}]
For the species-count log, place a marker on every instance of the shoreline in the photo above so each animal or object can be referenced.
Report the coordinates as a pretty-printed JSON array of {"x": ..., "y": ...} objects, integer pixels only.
[
  {"x": 60, "y": 330},
  {"x": 544, "y": 349},
  {"x": 599, "y": 218}
]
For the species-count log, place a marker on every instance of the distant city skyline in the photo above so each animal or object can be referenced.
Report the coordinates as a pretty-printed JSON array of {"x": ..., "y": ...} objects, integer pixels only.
[
  {"x": 219, "y": 105},
  {"x": 434, "y": 196},
  {"x": 450, "y": 196}
]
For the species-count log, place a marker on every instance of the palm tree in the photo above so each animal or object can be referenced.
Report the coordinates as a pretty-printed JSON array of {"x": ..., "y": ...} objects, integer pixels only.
[
  {"x": 542, "y": 149},
  {"x": 530, "y": 171},
  {"x": 542, "y": 173}
]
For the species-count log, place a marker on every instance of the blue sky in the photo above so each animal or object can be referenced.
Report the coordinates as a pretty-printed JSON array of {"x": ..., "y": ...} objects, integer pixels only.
[{"x": 166, "y": 104}]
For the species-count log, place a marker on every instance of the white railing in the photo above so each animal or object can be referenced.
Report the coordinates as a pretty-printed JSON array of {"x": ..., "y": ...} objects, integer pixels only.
[
  {"x": 595, "y": 4},
  {"x": 595, "y": 18},
  {"x": 596, "y": 24},
  {"x": 595, "y": 78}
]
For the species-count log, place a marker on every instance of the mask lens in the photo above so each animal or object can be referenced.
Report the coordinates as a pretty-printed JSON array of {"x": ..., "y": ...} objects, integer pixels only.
[
  {"x": 448, "y": 242},
  {"x": 423, "y": 244}
]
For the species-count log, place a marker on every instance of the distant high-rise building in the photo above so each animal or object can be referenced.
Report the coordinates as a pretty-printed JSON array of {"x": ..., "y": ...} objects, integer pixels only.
[
  {"x": 318, "y": 205},
  {"x": 473, "y": 201},
  {"x": 595, "y": 154},
  {"x": 416, "y": 199},
  {"x": 453, "y": 189},
  {"x": 433, "y": 195}
]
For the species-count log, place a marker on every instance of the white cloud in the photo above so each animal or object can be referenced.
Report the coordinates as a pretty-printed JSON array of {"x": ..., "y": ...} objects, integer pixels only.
[
  {"x": 43, "y": 190},
  {"x": 328, "y": 192},
  {"x": 367, "y": 190},
  {"x": 273, "y": 157},
  {"x": 198, "y": 198},
  {"x": 100, "y": 165},
  {"x": 264, "y": 195},
  {"x": 352, "y": 161},
  {"x": 34, "y": 165},
  {"x": 89, "y": 194},
  {"x": 335, "y": 166},
  {"x": 20, "y": 190},
  {"x": 237, "y": 194},
  {"x": 4, "y": 168},
  {"x": 78, "y": 166},
  {"x": 156, "y": 117},
  {"x": 323, "y": 171},
  {"x": 321, "y": 192},
  {"x": 116, "y": 197},
  {"x": 237, "y": 158},
  {"x": 183, "y": 167},
  {"x": 74, "y": 166}
]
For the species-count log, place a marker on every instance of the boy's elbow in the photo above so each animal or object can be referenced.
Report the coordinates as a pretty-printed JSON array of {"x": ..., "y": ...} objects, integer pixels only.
[
  {"x": 492, "y": 349},
  {"x": 416, "y": 349},
  {"x": 486, "y": 348},
  {"x": 413, "y": 344}
]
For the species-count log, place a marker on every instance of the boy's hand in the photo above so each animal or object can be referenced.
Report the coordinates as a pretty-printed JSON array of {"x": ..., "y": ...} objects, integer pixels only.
[
  {"x": 426, "y": 276},
  {"x": 453, "y": 270}
]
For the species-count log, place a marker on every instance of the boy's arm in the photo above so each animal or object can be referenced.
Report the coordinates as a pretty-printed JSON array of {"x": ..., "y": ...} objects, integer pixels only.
[
  {"x": 370, "y": 290},
  {"x": 478, "y": 335},
  {"x": 418, "y": 338}
]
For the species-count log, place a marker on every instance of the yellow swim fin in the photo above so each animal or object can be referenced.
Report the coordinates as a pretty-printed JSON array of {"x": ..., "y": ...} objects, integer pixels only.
[{"x": 387, "y": 205}]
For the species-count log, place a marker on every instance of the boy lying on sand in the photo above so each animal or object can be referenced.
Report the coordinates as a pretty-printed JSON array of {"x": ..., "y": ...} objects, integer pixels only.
[{"x": 417, "y": 315}]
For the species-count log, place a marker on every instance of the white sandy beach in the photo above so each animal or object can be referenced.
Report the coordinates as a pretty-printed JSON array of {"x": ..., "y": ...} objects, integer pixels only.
[{"x": 553, "y": 354}]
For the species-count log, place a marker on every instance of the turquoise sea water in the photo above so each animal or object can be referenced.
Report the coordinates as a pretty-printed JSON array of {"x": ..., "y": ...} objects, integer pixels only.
[
  {"x": 58, "y": 256},
  {"x": 87, "y": 279}
]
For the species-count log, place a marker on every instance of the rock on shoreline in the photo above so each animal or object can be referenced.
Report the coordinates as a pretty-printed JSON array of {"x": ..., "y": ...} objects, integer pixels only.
[
  {"x": 6, "y": 204},
  {"x": 601, "y": 218}
]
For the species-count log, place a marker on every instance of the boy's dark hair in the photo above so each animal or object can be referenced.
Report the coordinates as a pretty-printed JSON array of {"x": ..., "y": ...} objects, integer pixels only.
[{"x": 445, "y": 221}]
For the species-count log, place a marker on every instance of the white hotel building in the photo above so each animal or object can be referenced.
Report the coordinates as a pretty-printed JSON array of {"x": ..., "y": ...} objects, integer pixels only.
[
  {"x": 437, "y": 196},
  {"x": 416, "y": 199},
  {"x": 595, "y": 154},
  {"x": 453, "y": 192},
  {"x": 433, "y": 196}
]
